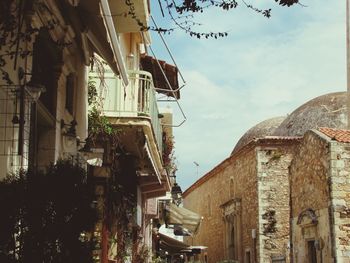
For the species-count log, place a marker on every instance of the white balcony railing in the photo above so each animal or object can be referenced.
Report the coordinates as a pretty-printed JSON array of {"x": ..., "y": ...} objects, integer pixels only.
[{"x": 137, "y": 100}]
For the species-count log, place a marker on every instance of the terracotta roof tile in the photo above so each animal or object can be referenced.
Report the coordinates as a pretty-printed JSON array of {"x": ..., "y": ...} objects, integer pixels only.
[{"x": 336, "y": 134}]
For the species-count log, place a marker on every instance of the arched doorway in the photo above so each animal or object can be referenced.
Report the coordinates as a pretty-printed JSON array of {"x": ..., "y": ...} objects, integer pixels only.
[{"x": 232, "y": 243}]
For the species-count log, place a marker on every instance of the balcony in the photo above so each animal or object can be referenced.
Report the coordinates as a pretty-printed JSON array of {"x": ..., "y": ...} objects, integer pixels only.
[{"x": 134, "y": 111}]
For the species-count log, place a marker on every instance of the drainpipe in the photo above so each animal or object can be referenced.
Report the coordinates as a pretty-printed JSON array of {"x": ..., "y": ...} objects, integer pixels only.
[
  {"x": 331, "y": 204},
  {"x": 107, "y": 18},
  {"x": 291, "y": 254},
  {"x": 254, "y": 246},
  {"x": 348, "y": 57}
]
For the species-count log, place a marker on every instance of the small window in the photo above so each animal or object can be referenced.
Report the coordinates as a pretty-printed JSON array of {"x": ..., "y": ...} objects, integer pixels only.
[
  {"x": 247, "y": 256},
  {"x": 278, "y": 259},
  {"x": 232, "y": 187},
  {"x": 312, "y": 254},
  {"x": 70, "y": 93}
]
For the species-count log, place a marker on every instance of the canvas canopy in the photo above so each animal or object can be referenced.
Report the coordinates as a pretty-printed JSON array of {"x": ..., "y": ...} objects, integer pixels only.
[{"x": 183, "y": 217}]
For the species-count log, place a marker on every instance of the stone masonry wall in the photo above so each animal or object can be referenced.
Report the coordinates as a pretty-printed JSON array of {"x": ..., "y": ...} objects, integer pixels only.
[
  {"x": 309, "y": 198},
  {"x": 273, "y": 183},
  {"x": 210, "y": 233},
  {"x": 243, "y": 172},
  {"x": 340, "y": 193},
  {"x": 242, "y": 169}
]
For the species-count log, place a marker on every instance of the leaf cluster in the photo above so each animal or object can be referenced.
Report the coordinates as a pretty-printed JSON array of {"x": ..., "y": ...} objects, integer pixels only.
[
  {"x": 181, "y": 13},
  {"x": 287, "y": 2},
  {"x": 99, "y": 125},
  {"x": 169, "y": 159},
  {"x": 45, "y": 215}
]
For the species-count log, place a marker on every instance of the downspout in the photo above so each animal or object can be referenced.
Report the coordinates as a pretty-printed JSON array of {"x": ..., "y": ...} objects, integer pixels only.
[
  {"x": 331, "y": 205},
  {"x": 348, "y": 57},
  {"x": 291, "y": 258},
  {"x": 107, "y": 18}
]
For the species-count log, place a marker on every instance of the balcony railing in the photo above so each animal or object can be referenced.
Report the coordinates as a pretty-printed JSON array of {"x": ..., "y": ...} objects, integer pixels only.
[{"x": 137, "y": 100}]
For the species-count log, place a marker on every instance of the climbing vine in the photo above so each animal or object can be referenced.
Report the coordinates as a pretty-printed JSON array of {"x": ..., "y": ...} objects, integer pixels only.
[
  {"x": 99, "y": 125},
  {"x": 169, "y": 158}
]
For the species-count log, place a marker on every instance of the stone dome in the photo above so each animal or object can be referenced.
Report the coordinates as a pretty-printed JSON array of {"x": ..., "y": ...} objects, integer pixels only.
[
  {"x": 262, "y": 129},
  {"x": 324, "y": 111}
]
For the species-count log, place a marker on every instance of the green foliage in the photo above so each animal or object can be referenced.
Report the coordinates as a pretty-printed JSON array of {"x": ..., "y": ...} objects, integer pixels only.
[
  {"x": 158, "y": 260},
  {"x": 169, "y": 159},
  {"x": 92, "y": 92},
  {"x": 181, "y": 13},
  {"x": 99, "y": 124},
  {"x": 45, "y": 216},
  {"x": 141, "y": 254}
]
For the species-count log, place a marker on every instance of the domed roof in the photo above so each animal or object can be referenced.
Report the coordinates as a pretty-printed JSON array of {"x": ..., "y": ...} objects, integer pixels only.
[
  {"x": 324, "y": 111},
  {"x": 262, "y": 129}
]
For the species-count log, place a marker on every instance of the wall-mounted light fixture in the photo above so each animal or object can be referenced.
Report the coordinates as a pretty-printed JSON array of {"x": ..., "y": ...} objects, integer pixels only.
[
  {"x": 93, "y": 156},
  {"x": 69, "y": 128},
  {"x": 34, "y": 88},
  {"x": 176, "y": 194}
]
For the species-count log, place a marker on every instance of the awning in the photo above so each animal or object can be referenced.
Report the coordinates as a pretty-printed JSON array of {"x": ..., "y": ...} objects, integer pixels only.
[
  {"x": 151, "y": 187},
  {"x": 171, "y": 245},
  {"x": 151, "y": 65},
  {"x": 180, "y": 231},
  {"x": 183, "y": 217},
  {"x": 96, "y": 28},
  {"x": 194, "y": 249}
]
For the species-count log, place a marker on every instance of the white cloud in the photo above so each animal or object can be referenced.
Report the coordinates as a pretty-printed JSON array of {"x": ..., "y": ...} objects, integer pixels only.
[{"x": 265, "y": 68}]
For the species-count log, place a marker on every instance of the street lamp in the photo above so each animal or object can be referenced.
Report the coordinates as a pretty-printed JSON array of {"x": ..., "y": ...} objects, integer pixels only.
[
  {"x": 34, "y": 90},
  {"x": 197, "y": 165},
  {"x": 34, "y": 87},
  {"x": 176, "y": 194},
  {"x": 93, "y": 156}
]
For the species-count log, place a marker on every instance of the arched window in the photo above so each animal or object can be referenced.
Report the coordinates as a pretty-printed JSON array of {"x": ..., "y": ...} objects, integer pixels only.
[
  {"x": 233, "y": 242},
  {"x": 209, "y": 205},
  {"x": 232, "y": 187}
]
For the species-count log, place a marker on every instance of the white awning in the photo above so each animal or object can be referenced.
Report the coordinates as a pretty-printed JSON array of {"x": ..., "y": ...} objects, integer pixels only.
[
  {"x": 173, "y": 246},
  {"x": 184, "y": 217},
  {"x": 100, "y": 30}
]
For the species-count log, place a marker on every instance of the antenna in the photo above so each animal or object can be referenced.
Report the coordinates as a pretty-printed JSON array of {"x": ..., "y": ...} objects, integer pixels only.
[{"x": 197, "y": 165}]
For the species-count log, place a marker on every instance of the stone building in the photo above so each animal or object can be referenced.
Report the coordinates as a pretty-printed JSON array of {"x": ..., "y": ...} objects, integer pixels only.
[
  {"x": 320, "y": 199},
  {"x": 249, "y": 217},
  {"x": 247, "y": 200}
]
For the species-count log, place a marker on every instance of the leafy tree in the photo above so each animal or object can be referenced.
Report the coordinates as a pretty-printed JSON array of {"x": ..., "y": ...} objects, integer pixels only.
[
  {"x": 181, "y": 13},
  {"x": 47, "y": 217}
]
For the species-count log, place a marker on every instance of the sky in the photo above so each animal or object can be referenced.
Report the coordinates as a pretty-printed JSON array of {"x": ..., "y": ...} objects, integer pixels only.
[{"x": 263, "y": 69}]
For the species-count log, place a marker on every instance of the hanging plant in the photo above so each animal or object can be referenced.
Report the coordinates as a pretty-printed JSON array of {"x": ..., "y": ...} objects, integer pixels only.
[
  {"x": 99, "y": 125},
  {"x": 169, "y": 159}
]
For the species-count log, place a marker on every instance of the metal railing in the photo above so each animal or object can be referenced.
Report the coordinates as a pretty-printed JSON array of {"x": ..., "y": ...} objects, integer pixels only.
[{"x": 137, "y": 99}]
